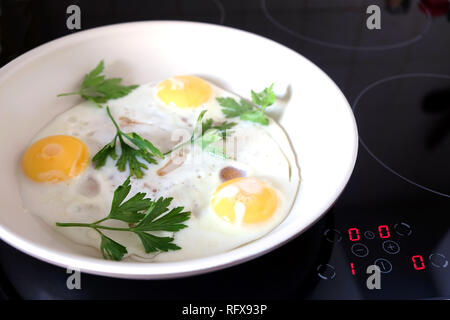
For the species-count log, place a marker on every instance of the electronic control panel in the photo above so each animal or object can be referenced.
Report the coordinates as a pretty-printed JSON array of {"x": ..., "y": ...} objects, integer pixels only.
[{"x": 405, "y": 263}]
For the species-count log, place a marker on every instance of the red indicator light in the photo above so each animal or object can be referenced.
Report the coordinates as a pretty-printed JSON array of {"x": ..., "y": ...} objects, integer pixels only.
[
  {"x": 353, "y": 268},
  {"x": 384, "y": 232},
  {"x": 353, "y": 234},
  {"x": 418, "y": 262}
]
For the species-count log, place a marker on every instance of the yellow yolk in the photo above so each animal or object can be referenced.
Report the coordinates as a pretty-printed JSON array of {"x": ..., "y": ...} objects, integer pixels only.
[
  {"x": 55, "y": 159},
  {"x": 245, "y": 199},
  {"x": 184, "y": 91}
]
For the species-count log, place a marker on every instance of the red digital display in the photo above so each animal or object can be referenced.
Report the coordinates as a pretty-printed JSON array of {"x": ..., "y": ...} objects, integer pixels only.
[
  {"x": 384, "y": 231},
  {"x": 353, "y": 234},
  {"x": 418, "y": 262},
  {"x": 353, "y": 268}
]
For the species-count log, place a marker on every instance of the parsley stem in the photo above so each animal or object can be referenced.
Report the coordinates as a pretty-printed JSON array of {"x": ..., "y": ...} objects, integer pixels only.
[
  {"x": 68, "y": 94},
  {"x": 91, "y": 225},
  {"x": 101, "y": 234},
  {"x": 190, "y": 141},
  {"x": 119, "y": 132},
  {"x": 178, "y": 147},
  {"x": 101, "y": 220}
]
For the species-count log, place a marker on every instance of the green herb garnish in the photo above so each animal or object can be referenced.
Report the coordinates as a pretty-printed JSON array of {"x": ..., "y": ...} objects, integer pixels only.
[
  {"x": 246, "y": 110},
  {"x": 145, "y": 150},
  {"x": 206, "y": 133},
  {"x": 145, "y": 215},
  {"x": 99, "y": 90}
]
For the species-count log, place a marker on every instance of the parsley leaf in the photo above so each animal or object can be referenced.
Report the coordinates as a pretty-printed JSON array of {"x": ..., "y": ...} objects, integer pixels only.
[
  {"x": 222, "y": 127},
  {"x": 245, "y": 110},
  {"x": 264, "y": 98},
  {"x": 153, "y": 243},
  {"x": 157, "y": 208},
  {"x": 255, "y": 116},
  {"x": 143, "y": 144},
  {"x": 146, "y": 151},
  {"x": 231, "y": 108},
  {"x": 206, "y": 125},
  {"x": 108, "y": 150},
  {"x": 205, "y": 133},
  {"x": 208, "y": 138},
  {"x": 128, "y": 211},
  {"x": 145, "y": 214},
  {"x": 99, "y": 90},
  {"x": 130, "y": 156},
  {"x": 168, "y": 222},
  {"x": 111, "y": 249}
]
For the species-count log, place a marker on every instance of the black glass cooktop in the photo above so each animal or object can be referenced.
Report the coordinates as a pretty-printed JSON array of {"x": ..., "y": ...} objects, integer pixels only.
[{"x": 395, "y": 210}]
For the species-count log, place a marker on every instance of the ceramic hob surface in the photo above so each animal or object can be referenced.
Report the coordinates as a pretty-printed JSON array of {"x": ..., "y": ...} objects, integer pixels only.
[{"x": 395, "y": 210}]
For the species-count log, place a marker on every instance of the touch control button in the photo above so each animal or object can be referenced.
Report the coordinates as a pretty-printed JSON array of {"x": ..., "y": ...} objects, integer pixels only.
[
  {"x": 369, "y": 235},
  {"x": 438, "y": 260},
  {"x": 360, "y": 250},
  {"x": 403, "y": 229},
  {"x": 391, "y": 247},
  {"x": 332, "y": 235},
  {"x": 326, "y": 271},
  {"x": 384, "y": 265}
]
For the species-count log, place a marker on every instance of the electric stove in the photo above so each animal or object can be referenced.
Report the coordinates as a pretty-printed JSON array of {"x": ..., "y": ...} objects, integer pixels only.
[{"x": 394, "y": 212}]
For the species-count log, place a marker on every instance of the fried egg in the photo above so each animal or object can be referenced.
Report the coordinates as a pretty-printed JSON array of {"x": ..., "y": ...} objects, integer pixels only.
[{"x": 232, "y": 200}]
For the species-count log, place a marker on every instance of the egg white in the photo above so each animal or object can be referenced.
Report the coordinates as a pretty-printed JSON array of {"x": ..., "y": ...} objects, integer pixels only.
[{"x": 259, "y": 151}]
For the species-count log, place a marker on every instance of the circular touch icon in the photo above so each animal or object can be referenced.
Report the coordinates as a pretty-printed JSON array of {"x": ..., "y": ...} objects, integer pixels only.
[
  {"x": 391, "y": 247},
  {"x": 403, "y": 229},
  {"x": 326, "y": 271},
  {"x": 384, "y": 265},
  {"x": 369, "y": 235},
  {"x": 332, "y": 235},
  {"x": 438, "y": 260},
  {"x": 360, "y": 250}
]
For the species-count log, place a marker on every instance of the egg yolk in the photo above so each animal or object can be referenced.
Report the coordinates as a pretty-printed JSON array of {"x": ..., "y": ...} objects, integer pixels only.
[
  {"x": 55, "y": 159},
  {"x": 184, "y": 91},
  {"x": 245, "y": 199}
]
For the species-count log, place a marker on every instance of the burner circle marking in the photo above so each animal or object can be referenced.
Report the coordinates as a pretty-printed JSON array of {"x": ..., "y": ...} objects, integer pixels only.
[
  {"x": 363, "y": 144},
  {"x": 297, "y": 35}
]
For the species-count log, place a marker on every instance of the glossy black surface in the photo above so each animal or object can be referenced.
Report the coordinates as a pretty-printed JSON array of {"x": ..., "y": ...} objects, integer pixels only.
[{"x": 398, "y": 81}]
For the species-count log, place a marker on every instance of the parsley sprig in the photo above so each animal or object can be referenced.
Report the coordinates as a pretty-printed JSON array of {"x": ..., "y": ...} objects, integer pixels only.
[
  {"x": 145, "y": 150},
  {"x": 99, "y": 90},
  {"x": 145, "y": 215},
  {"x": 206, "y": 133},
  {"x": 246, "y": 110}
]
